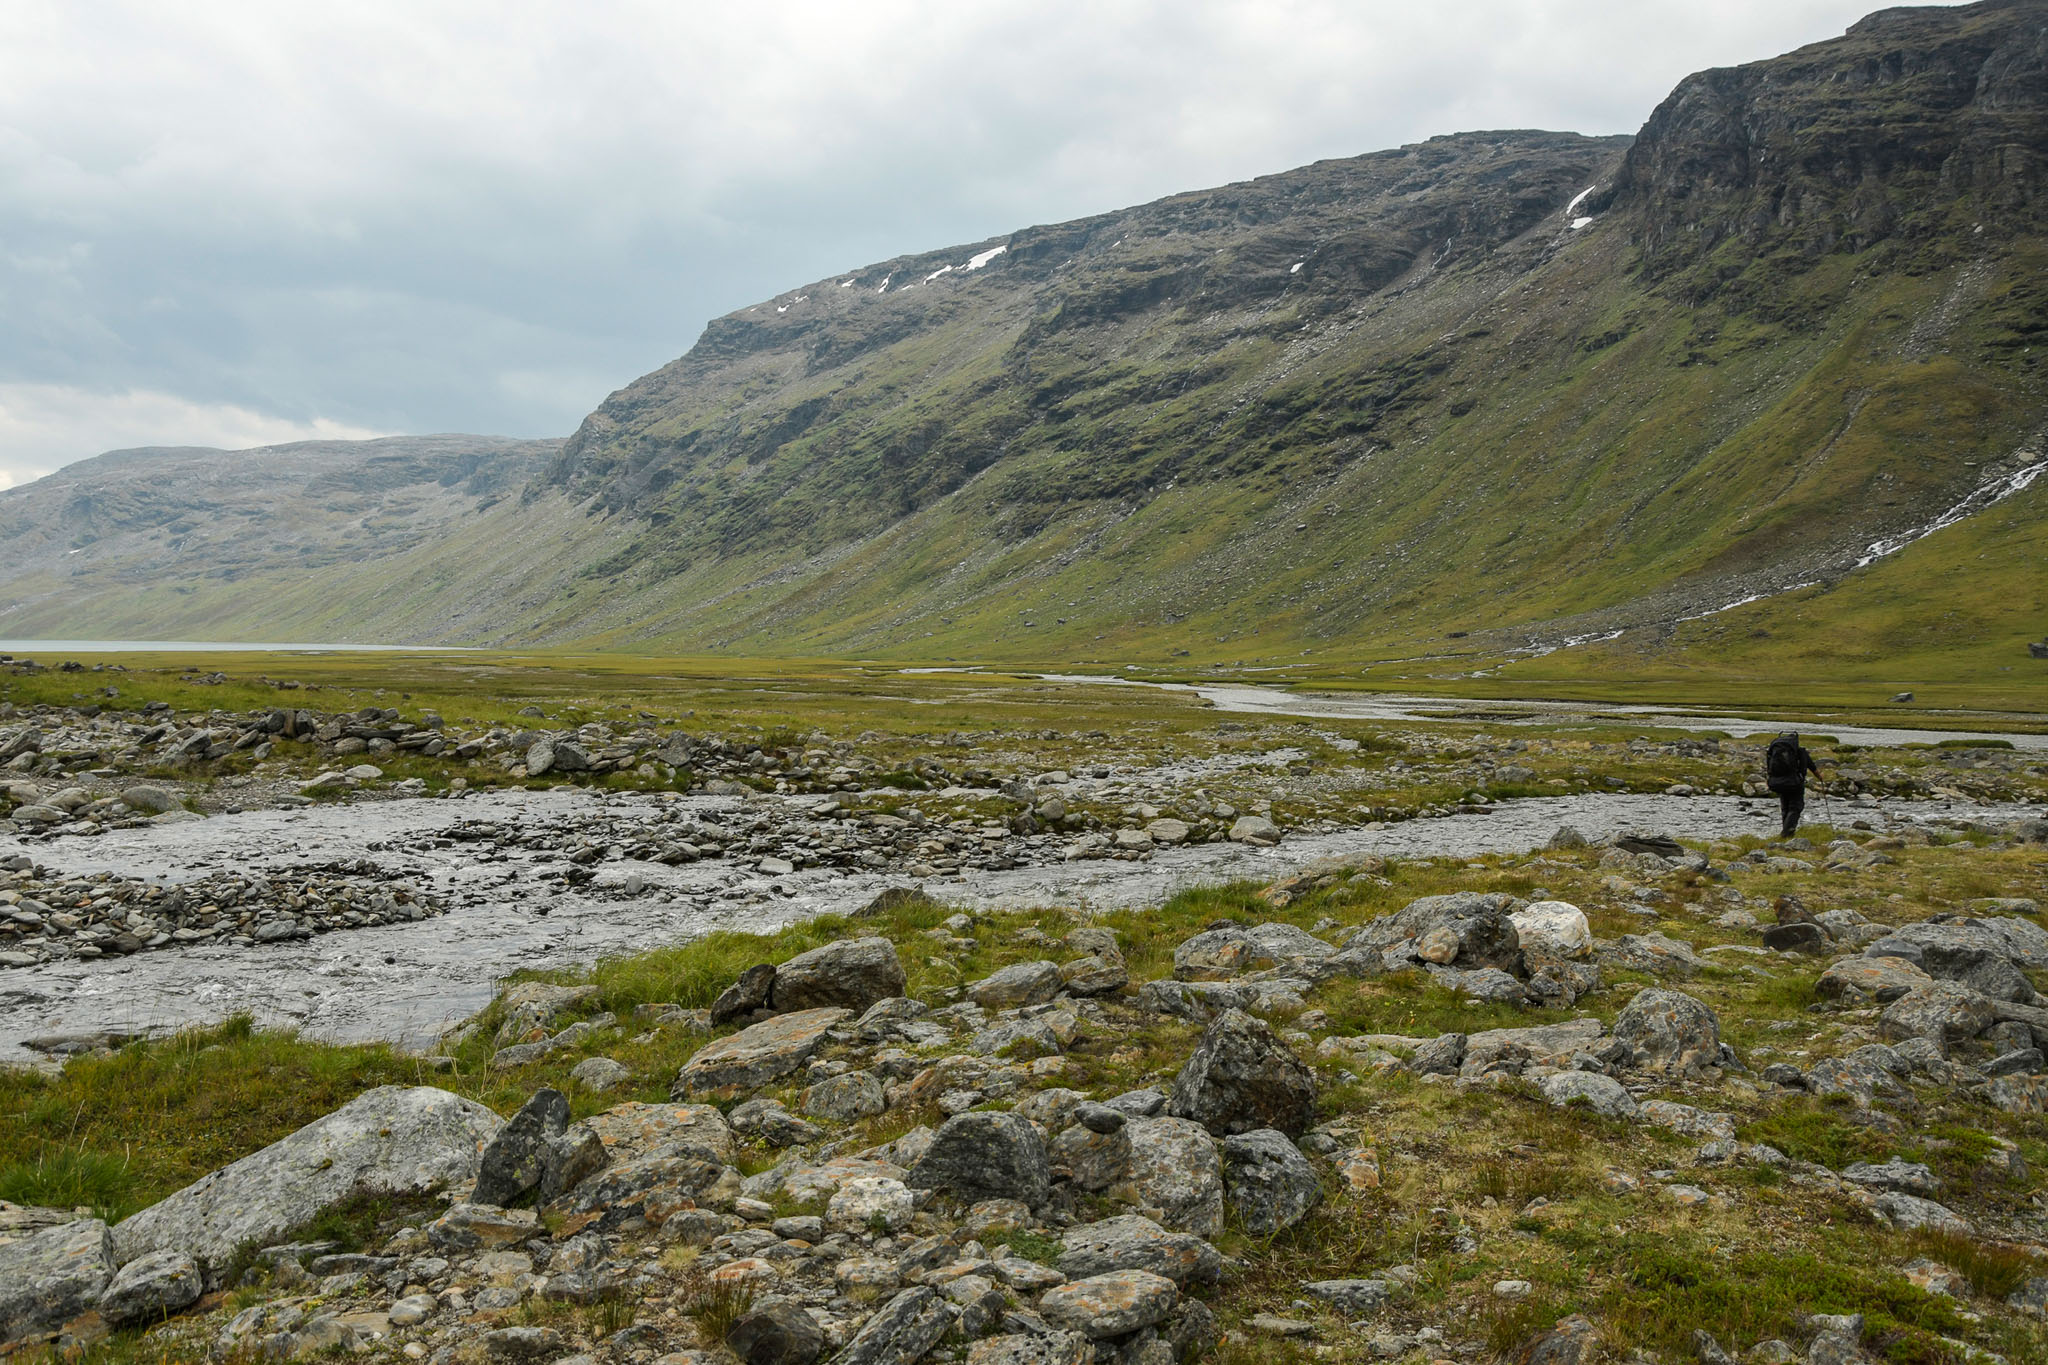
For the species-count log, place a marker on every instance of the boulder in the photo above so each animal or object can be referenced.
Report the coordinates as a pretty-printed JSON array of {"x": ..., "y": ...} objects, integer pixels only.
[
  {"x": 636, "y": 1129},
  {"x": 1479, "y": 923},
  {"x": 1982, "y": 954},
  {"x": 756, "y": 1055},
  {"x": 1440, "y": 1056},
  {"x": 1241, "y": 1077},
  {"x": 1668, "y": 1032},
  {"x": 1175, "y": 1169},
  {"x": 511, "y": 1167},
  {"x": 1132, "y": 1242},
  {"x": 1099, "y": 974},
  {"x": 391, "y": 1140},
  {"x": 856, "y": 1095},
  {"x": 1229, "y": 949},
  {"x": 1110, "y": 1305},
  {"x": 1555, "y": 927},
  {"x": 777, "y": 1333},
  {"x": 151, "y": 1288},
  {"x": 1020, "y": 1348},
  {"x": 1267, "y": 1180},
  {"x": 52, "y": 1276},
  {"x": 1254, "y": 829},
  {"x": 152, "y": 800},
  {"x": 745, "y": 995},
  {"x": 1603, "y": 1095},
  {"x": 981, "y": 1155},
  {"x": 599, "y": 1074},
  {"x": 851, "y": 974},
  {"x": 1882, "y": 978},
  {"x": 1946, "y": 1011},
  {"x": 871, "y": 1203},
  {"x": 568, "y": 1159},
  {"x": 905, "y": 1328},
  {"x": 1020, "y": 983}
]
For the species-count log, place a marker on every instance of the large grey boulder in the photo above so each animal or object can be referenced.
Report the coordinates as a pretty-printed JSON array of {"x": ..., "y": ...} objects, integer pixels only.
[
  {"x": 1467, "y": 929},
  {"x": 512, "y": 1162},
  {"x": 982, "y": 1155},
  {"x": 1984, "y": 955},
  {"x": 1241, "y": 1077},
  {"x": 1668, "y": 1032},
  {"x": 395, "y": 1139},
  {"x": 754, "y": 1056},
  {"x": 852, "y": 974},
  {"x": 1268, "y": 1181},
  {"x": 1133, "y": 1242},
  {"x": 906, "y": 1328},
  {"x": 1174, "y": 1168},
  {"x": 1111, "y": 1305},
  {"x": 1020, "y": 983},
  {"x": 1947, "y": 1011},
  {"x": 150, "y": 1288},
  {"x": 50, "y": 1277},
  {"x": 1229, "y": 949}
]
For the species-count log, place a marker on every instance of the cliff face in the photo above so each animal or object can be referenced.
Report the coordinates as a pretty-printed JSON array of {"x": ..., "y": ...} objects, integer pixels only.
[
  {"x": 1922, "y": 128},
  {"x": 1512, "y": 388}
]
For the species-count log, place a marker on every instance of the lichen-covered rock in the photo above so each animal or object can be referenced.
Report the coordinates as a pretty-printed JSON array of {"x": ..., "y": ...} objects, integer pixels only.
[
  {"x": 843, "y": 1099},
  {"x": 982, "y": 1155},
  {"x": 1478, "y": 921},
  {"x": 871, "y": 1203},
  {"x": 851, "y": 974},
  {"x": 1241, "y": 1077},
  {"x": 1176, "y": 1169},
  {"x": 1019, "y": 1348},
  {"x": 1231, "y": 949},
  {"x": 1946, "y": 1011},
  {"x": 1267, "y": 1180},
  {"x": 1881, "y": 978},
  {"x": 1133, "y": 1242},
  {"x": 756, "y": 1055},
  {"x": 636, "y": 1129},
  {"x": 511, "y": 1164},
  {"x": 1668, "y": 1032},
  {"x": 1020, "y": 983},
  {"x": 907, "y": 1326},
  {"x": 51, "y": 1276},
  {"x": 391, "y": 1140},
  {"x": 1110, "y": 1305},
  {"x": 1603, "y": 1095},
  {"x": 150, "y": 1288}
]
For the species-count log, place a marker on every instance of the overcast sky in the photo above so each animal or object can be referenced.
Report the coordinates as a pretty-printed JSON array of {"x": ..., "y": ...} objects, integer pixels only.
[{"x": 240, "y": 223}]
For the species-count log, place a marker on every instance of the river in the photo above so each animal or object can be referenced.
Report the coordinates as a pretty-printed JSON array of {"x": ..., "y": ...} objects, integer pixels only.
[{"x": 407, "y": 982}]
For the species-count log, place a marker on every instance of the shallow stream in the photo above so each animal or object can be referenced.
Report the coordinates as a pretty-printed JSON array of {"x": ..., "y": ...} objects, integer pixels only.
[{"x": 408, "y": 982}]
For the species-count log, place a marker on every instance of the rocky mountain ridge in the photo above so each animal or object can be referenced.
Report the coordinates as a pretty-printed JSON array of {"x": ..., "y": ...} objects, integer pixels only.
[{"x": 1518, "y": 389}]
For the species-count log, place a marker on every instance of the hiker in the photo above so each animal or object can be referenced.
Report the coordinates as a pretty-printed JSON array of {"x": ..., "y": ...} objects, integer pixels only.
[{"x": 1786, "y": 765}]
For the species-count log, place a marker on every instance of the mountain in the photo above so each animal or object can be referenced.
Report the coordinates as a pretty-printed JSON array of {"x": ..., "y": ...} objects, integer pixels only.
[
  {"x": 1482, "y": 397},
  {"x": 181, "y": 541}
]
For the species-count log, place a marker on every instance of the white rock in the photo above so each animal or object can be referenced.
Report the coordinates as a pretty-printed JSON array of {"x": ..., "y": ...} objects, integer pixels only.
[{"x": 1556, "y": 927}]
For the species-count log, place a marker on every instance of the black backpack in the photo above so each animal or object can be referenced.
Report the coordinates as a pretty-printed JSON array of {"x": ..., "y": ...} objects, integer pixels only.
[{"x": 1781, "y": 761}]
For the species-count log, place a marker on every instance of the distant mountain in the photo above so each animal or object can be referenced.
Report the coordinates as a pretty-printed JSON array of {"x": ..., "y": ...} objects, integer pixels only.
[
  {"x": 165, "y": 541},
  {"x": 1520, "y": 388}
]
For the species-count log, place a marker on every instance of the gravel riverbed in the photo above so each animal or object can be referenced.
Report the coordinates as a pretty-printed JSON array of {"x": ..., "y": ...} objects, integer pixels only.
[{"x": 511, "y": 905}]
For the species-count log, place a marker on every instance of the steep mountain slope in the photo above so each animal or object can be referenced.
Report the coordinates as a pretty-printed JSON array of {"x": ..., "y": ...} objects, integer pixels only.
[
  {"x": 168, "y": 541},
  {"x": 1365, "y": 403},
  {"x": 1516, "y": 388}
]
